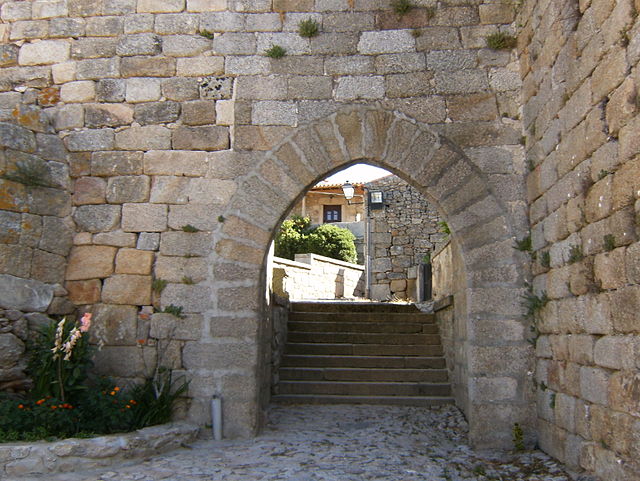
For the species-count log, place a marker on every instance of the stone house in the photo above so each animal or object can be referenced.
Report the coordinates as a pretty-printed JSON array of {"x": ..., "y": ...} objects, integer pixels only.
[{"x": 134, "y": 147}]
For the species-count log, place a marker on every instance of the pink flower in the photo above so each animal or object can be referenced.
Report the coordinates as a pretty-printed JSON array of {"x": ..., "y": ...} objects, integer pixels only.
[{"x": 85, "y": 322}]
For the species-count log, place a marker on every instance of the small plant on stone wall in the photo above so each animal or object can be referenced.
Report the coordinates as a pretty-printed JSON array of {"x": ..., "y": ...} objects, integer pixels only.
[
  {"x": 444, "y": 227},
  {"x": 187, "y": 280},
  {"x": 575, "y": 254},
  {"x": 501, "y": 41},
  {"x": 401, "y": 7},
  {"x": 174, "y": 311},
  {"x": 221, "y": 218},
  {"x": 552, "y": 400},
  {"x": 533, "y": 305},
  {"x": 524, "y": 244},
  {"x": 518, "y": 438},
  {"x": 158, "y": 285},
  {"x": 205, "y": 33},
  {"x": 545, "y": 259},
  {"x": 29, "y": 172},
  {"x": 609, "y": 241},
  {"x": 308, "y": 28},
  {"x": 190, "y": 228},
  {"x": 416, "y": 32},
  {"x": 275, "y": 51}
]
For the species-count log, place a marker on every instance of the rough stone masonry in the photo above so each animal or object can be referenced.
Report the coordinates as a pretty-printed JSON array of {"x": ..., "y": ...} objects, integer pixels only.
[{"x": 153, "y": 140}]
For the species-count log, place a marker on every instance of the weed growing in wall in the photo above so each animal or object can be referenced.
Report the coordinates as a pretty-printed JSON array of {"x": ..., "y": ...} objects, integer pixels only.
[
  {"x": 158, "y": 285},
  {"x": 524, "y": 244},
  {"x": 501, "y": 41},
  {"x": 308, "y": 28},
  {"x": 401, "y": 7},
  {"x": 174, "y": 311},
  {"x": 518, "y": 437},
  {"x": 545, "y": 259},
  {"x": 275, "y": 51},
  {"x": 190, "y": 228},
  {"x": 575, "y": 254},
  {"x": 609, "y": 242},
  {"x": 205, "y": 33}
]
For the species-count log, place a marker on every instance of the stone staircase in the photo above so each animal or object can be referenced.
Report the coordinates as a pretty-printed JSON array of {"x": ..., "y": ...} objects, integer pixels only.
[{"x": 368, "y": 353}]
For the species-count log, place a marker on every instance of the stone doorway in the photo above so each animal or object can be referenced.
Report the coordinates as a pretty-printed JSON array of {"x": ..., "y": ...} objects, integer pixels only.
[{"x": 494, "y": 357}]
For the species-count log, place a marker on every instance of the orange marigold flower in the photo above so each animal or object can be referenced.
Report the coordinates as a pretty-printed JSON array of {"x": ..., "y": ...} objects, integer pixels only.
[
  {"x": 128, "y": 407},
  {"x": 39, "y": 401},
  {"x": 116, "y": 388},
  {"x": 54, "y": 407},
  {"x": 20, "y": 406},
  {"x": 113, "y": 393},
  {"x": 133, "y": 401},
  {"x": 141, "y": 341}
]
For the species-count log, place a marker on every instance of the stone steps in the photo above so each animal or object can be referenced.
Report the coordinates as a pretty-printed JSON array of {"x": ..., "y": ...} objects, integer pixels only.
[{"x": 376, "y": 353}]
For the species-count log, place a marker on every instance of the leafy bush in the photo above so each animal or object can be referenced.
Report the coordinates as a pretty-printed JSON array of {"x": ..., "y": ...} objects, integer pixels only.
[
  {"x": 332, "y": 241},
  {"x": 297, "y": 237}
]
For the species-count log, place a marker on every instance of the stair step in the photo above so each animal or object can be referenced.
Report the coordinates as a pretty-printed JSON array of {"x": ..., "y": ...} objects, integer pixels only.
[
  {"x": 398, "y": 362},
  {"x": 368, "y": 327},
  {"x": 363, "y": 338},
  {"x": 352, "y": 306},
  {"x": 377, "y": 316},
  {"x": 364, "y": 388},
  {"x": 363, "y": 375},
  {"x": 384, "y": 400},
  {"x": 364, "y": 349}
]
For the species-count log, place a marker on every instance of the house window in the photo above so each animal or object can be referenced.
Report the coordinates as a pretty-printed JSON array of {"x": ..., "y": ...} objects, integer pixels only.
[{"x": 332, "y": 213}]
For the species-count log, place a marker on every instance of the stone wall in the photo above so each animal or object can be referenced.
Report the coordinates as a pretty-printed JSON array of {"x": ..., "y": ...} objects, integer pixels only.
[
  {"x": 186, "y": 152},
  {"x": 449, "y": 280},
  {"x": 312, "y": 276},
  {"x": 579, "y": 62},
  {"x": 401, "y": 234},
  {"x": 36, "y": 232}
]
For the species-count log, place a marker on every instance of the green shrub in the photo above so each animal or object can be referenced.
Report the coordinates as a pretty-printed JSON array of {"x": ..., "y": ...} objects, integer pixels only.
[
  {"x": 297, "y": 237},
  {"x": 332, "y": 241}
]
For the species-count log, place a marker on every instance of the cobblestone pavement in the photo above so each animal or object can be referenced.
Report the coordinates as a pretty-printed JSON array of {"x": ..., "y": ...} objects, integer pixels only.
[{"x": 345, "y": 443}]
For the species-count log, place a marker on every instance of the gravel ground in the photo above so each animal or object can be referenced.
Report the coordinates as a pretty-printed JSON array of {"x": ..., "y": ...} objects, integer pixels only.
[{"x": 340, "y": 443}]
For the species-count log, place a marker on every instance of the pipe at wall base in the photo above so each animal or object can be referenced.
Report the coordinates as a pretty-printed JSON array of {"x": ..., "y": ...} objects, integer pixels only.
[{"x": 216, "y": 417}]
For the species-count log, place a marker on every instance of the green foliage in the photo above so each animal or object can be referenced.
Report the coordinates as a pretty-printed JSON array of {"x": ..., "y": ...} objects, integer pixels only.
[
  {"x": 416, "y": 33},
  {"x": 501, "y": 41},
  {"x": 426, "y": 259},
  {"x": 158, "y": 285},
  {"x": 67, "y": 402},
  {"x": 524, "y": 245},
  {"x": 187, "y": 280},
  {"x": 332, "y": 241},
  {"x": 575, "y": 254},
  {"x": 60, "y": 358},
  {"x": 190, "y": 228},
  {"x": 401, "y": 7},
  {"x": 533, "y": 303},
  {"x": 156, "y": 398},
  {"x": 297, "y": 237},
  {"x": 444, "y": 227},
  {"x": 518, "y": 437},
  {"x": 291, "y": 237},
  {"x": 609, "y": 241},
  {"x": 205, "y": 33},
  {"x": 275, "y": 51},
  {"x": 31, "y": 172},
  {"x": 552, "y": 400},
  {"x": 221, "y": 218},
  {"x": 545, "y": 259},
  {"x": 174, "y": 310},
  {"x": 308, "y": 28}
]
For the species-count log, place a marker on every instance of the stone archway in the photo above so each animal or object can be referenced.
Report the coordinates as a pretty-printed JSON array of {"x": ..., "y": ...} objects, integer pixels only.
[{"x": 495, "y": 358}]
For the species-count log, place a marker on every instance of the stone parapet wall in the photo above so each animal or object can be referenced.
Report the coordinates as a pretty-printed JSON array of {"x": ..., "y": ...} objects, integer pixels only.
[
  {"x": 70, "y": 455},
  {"x": 581, "y": 78},
  {"x": 312, "y": 276},
  {"x": 401, "y": 234}
]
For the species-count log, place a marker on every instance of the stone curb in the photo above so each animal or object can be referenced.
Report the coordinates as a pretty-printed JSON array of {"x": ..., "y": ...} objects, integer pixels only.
[{"x": 73, "y": 454}]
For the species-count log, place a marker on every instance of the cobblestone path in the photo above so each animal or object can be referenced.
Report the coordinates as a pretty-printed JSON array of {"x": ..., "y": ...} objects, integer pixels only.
[{"x": 345, "y": 443}]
